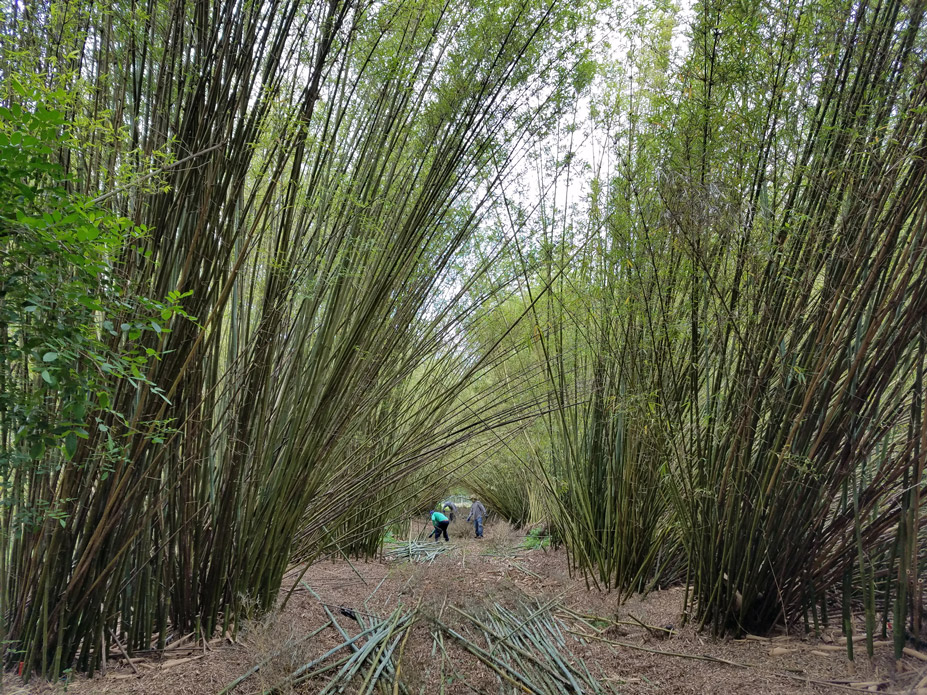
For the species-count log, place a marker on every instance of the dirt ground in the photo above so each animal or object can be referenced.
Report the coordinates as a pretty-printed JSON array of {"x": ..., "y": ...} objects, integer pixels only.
[{"x": 474, "y": 573}]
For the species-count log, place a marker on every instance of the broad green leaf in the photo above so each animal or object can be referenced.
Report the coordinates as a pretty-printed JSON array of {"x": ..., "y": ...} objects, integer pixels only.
[
  {"x": 87, "y": 233},
  {"x": 70, "y": 444}
]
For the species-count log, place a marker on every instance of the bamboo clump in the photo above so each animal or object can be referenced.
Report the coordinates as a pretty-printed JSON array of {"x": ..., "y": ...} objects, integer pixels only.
[
  {"x": 331, "y": 158},
  {"x": 732, "y": 338}
]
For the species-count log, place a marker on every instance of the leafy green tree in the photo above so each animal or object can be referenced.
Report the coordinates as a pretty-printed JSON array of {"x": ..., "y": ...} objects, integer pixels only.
[{"x": 69, "y": 340}]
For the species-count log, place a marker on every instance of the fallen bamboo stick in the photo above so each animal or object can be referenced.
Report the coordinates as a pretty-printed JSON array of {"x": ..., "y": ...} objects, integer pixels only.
[
  {"x": 254, "y": 669},
  {"x": 177, "y": 662},
  {"x": 122, "y": 649},
  {"x": 698, "y": 657},
  {"x": 402, "y": 648},
  {"x": 496, "y": 665},
  {"x": 704, "y": 657},
  {"x": 652, "y": 628}
]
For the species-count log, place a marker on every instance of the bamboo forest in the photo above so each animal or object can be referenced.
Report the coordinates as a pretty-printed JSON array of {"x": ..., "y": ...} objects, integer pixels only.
[{"x": 287, "y": 284}]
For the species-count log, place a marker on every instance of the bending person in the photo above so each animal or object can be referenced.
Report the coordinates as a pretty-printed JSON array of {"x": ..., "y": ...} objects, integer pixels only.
[{"x": 440, "y": 522}]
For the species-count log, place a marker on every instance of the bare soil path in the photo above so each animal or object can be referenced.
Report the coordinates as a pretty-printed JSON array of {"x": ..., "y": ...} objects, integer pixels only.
[{"x": 477, "y": 577}]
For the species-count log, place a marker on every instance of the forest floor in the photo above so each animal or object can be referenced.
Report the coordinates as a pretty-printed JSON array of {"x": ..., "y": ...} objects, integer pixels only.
[{"x": 478, "y": 577}]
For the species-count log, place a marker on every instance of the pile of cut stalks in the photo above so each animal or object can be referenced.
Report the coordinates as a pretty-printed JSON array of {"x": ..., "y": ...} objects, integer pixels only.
[
  {"x": 415, "y": 551},
  {"x": 527, "y": 648}
]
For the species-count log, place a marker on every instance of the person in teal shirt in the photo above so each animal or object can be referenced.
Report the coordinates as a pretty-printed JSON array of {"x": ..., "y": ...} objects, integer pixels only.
[{"x": 440, "y": 522}]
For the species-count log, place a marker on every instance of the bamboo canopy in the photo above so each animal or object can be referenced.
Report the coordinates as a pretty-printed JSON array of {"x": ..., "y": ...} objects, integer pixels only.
[{"x": 274, "y": 281}]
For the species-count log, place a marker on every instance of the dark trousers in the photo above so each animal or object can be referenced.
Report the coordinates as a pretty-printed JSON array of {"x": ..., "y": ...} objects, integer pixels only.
[{"x": 439, "y": 529}]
